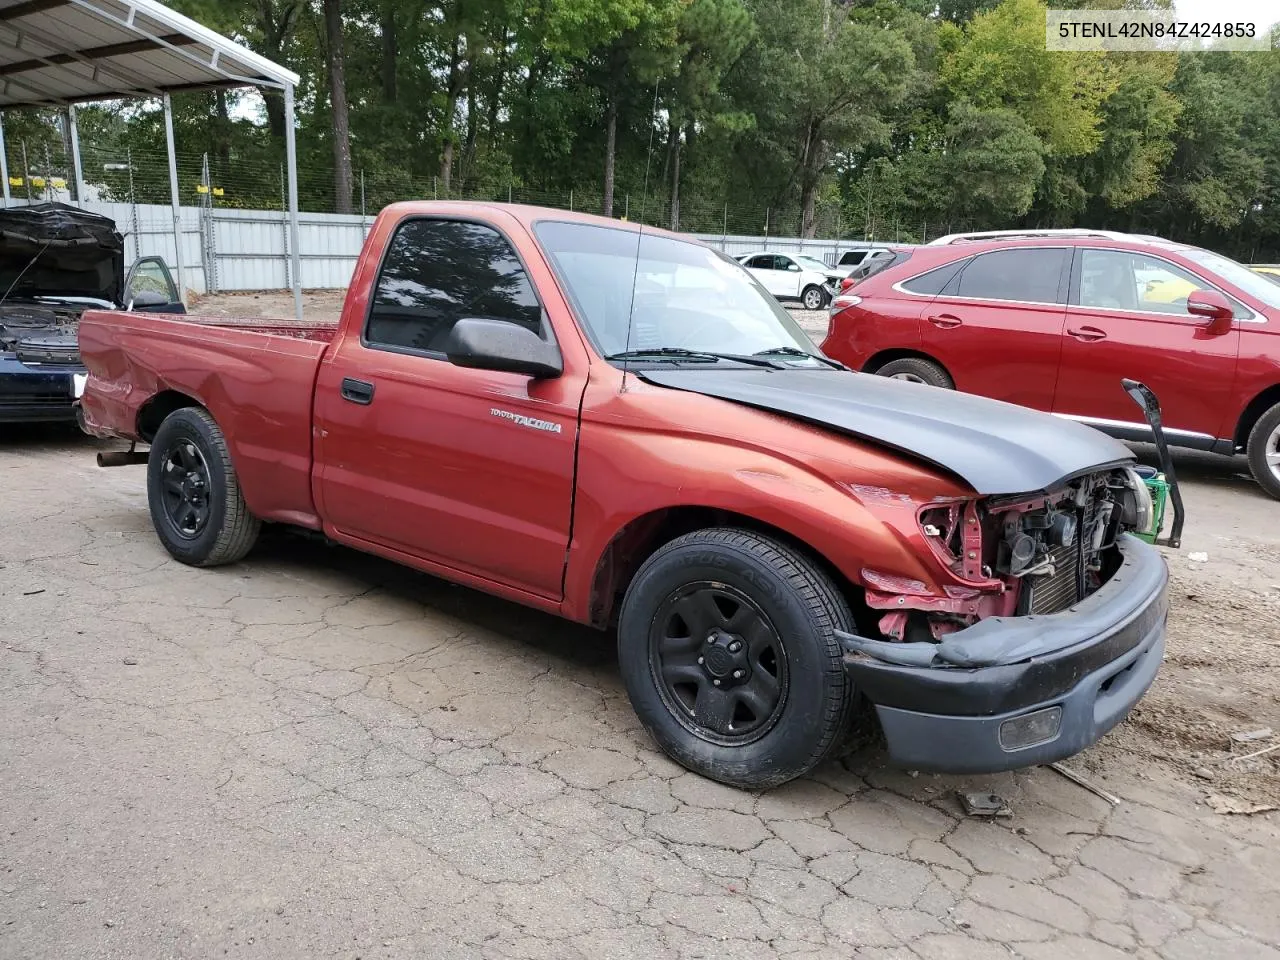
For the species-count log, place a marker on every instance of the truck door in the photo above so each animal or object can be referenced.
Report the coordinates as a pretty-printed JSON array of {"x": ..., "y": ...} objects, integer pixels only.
[{"x": 471, "y": 469}]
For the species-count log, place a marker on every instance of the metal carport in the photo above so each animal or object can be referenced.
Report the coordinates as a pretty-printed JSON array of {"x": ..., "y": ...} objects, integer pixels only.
[{"x": 57, "y": 53}]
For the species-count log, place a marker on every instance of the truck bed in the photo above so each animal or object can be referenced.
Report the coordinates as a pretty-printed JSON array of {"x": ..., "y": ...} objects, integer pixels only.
[{"x": 255, "y": 376}]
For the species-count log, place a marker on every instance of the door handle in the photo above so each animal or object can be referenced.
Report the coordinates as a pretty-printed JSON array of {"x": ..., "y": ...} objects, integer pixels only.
[
  {"x": 946, "y": 321},
  {"x": 1088, "y": 334},
  {"x": 357, "y": 391}
]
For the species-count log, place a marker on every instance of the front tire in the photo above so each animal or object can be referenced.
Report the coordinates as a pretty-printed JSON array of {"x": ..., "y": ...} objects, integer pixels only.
[
  {"x": 1263, "y": 449},
  {"x": 814, "y": 298},
  {"x": 727, "y": 648},
  {"x": 196, "y": 505},
  {"x": 917, "y": 370}
]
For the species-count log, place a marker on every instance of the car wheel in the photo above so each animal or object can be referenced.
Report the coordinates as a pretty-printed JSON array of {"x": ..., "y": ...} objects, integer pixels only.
[
  {"x": 814, "y": 298},
  {"x": 727, "y": 648},
  {"x": 917, "y": 370},
  {"x": 1264, "y": 451},
  {"x": 196, "y": 505}
]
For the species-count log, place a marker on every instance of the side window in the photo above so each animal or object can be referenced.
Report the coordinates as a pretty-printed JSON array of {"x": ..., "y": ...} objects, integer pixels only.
[
  {"x": 1129, "y": 281},
  {"x": 852, "y": 258},
  {"x": 763, "y": 262},
  {"x": 785, "y": 263},
  {"x": 933, "y": 282},
  {"x": 437, "y": 272},
  {"x": 1029, "y": 275},
  {"x": 149, "y": 275}
]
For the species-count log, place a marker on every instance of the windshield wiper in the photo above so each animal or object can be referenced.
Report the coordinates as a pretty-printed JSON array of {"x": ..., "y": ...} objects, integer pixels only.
[
  {"x": 797, "y": 352},
  {"x": 676, "y": 354}
]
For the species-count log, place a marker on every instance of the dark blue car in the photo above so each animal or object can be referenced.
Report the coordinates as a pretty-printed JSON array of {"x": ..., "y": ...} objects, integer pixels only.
[{"x": 56, "y": 261}]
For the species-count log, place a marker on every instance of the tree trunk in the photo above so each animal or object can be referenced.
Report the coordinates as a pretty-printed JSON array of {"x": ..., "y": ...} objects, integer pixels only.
[
  {"x": 812, "y": 161},
  {"x": 276, "y": 24},
  {"x": 390, "y": 52},
  {"x": 673, "y": 148},
  {"x": 224, "y": 133},
  {"x": 338, "y": 101},
  {"x": 469, "y": 150},
  {"x": 610, "y": 148},
  {"x": 451, "y": 107}
]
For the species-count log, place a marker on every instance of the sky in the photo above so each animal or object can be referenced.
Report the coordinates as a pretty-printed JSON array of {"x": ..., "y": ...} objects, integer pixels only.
[{"x": 1263, "y": 12}]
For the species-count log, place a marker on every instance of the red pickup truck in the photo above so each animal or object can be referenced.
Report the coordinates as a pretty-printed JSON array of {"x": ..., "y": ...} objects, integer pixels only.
[{"x": 621, "y": 426}]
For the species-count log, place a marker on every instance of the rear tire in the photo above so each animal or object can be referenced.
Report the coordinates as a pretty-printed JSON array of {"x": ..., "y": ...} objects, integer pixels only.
[
  {"x": 1263, "y": 449},
  {"x": 755, "y": 716},
  {"x": 814, "y": 298},
  {"x": 196, "y": 505},
  {"x": 917, "y": 370}
]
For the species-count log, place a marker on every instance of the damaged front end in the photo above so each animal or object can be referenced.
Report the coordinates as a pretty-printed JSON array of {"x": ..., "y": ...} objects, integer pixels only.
[
  {"x": 1045, "y": 627},
  {"x": 1005, "y": 557}
]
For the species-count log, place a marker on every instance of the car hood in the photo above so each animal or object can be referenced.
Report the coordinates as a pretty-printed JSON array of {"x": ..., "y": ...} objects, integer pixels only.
[
  {"x": 56, "y": 250},
  {"x": 996, "y": 448}
]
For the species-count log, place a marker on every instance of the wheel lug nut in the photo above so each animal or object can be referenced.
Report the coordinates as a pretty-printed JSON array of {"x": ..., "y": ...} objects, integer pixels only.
[
  {"x": 735, "y": 647},
  {"x": 738, "y": 674},
  {"x": 700, "y": 661},
  {"x": 716, "y": 682}
]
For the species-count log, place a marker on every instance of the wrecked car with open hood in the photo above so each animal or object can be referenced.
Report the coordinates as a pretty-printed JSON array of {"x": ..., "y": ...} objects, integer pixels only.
[
  {"x": 56, "y": 261},
  {"x": 622, "y": 427}
]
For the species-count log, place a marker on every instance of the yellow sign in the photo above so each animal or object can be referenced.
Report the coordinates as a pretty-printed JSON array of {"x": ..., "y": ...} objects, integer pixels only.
[
  {"x": 15, "y": 181},
  {"x": 37, "y": 181},
  {"x": 59, "y": 183},
  {"x": 217, "y": 191},
  {"x": 201, "y": 188}
]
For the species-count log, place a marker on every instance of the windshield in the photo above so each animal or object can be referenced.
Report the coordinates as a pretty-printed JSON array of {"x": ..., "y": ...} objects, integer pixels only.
[
  {"x": 686, "y": 296},
  {"x": 812, "y": 263},
  {"x": 1238, "y": 274}
]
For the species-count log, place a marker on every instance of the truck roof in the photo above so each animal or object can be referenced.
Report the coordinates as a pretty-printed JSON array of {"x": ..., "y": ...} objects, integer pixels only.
[{"x": 528, "y": 214}]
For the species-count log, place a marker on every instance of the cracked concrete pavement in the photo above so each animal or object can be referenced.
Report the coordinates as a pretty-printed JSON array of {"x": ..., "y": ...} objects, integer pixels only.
[{"x": 317, "y": 754}]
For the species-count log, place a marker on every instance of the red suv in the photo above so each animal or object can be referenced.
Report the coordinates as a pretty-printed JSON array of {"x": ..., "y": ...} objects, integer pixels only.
[{"x": 1054, "y": 319}]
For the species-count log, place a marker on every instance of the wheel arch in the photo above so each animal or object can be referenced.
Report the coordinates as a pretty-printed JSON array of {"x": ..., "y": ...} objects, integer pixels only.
[
  {"x": 1253, "y": 412},
  {"x": 643, "y": 535},
  {"x": 878, "y": 360},
  {"x": 153, "y": 413}
]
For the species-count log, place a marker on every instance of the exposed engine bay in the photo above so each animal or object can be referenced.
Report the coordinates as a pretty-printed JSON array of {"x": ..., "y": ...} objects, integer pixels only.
[
  {"x": 40, "y": 333},
  {"x": 1016, "y": 556}
]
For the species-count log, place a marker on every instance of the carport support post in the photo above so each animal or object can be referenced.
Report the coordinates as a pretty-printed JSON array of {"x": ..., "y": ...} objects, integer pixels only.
[
  {"x": 175, "y": 199},
  {"x": 291, "y": 159},
  {"x": 76, "y": 170},
  {"x": 4, "y": 163}
]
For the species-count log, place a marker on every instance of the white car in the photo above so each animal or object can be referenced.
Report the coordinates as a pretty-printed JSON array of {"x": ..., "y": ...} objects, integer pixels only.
[{"x": 793, "y": 276}]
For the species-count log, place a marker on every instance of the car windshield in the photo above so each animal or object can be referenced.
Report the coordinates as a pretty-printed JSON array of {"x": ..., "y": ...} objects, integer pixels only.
[
  {"x": 811, "y": 263},
  {"x": 640, "y": 292},
  {"x": 1238, "y": 274}
]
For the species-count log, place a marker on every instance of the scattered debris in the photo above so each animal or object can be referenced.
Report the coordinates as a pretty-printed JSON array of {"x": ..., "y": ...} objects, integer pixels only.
[
  {"x": 1256, "y": 753},
  {"x": 130, "y": 661},
  {"x": 984, "y": 805},
  {"x": 1248, "y": 736},
  {"x": 1204, "y": 773},
  {"x": 32, "y": 593},
  {"x": 1227, "y": 805},
  {"x": 1198, "y": 557},
  {"x": 1075, "y": 778}
]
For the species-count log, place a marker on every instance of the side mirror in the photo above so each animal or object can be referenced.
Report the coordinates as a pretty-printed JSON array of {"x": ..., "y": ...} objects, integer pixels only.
[
  {"x": 145, "y": 299},
  {"x": 497, "y": 345},
  {"x": 1211, "y": 304},
  {"x": 793, "y": 267}
]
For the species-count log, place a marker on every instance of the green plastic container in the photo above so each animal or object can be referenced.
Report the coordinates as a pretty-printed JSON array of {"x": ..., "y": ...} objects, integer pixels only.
[{"x": 1158, "y": 487}]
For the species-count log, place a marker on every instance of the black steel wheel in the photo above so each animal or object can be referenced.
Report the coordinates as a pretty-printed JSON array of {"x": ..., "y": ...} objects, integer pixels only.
[
  {"x": 727, "y": 648},
  {"x": 184, "y": 488},
  {"x": 197, "y": 508},
  {"x": 719, "y": 663}
]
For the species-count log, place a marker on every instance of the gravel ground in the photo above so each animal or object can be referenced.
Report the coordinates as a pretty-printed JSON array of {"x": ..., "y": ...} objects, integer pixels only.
[{"x": 317, "y": 754}]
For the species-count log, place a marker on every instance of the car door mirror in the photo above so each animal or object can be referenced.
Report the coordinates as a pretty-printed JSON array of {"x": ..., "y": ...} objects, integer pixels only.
[
  {"x": 498, "y": 345},
  {"x": 793, "y": 267},
  {"x": 1214, "y": 306},
  {"x": 150, "y": 301}
]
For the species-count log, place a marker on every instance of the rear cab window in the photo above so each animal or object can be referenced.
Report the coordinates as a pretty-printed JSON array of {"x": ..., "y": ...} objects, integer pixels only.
[{"x": 436, "y": 272}]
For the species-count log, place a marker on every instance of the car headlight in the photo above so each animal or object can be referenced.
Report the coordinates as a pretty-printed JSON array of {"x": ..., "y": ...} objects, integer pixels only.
[{"x": 1138, "y": 512}]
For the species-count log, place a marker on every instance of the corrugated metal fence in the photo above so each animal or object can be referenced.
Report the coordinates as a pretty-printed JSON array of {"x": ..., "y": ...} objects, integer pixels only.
[{"x": 227, "y": 250}]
